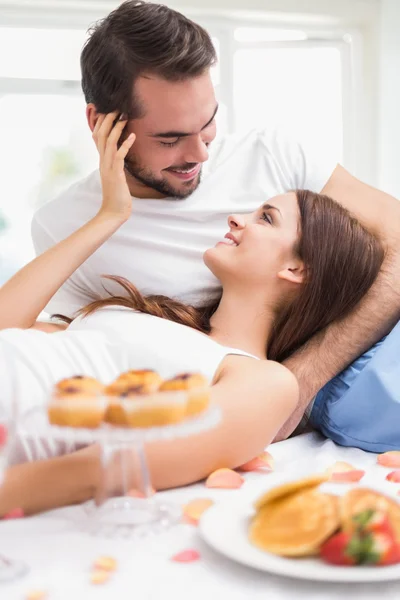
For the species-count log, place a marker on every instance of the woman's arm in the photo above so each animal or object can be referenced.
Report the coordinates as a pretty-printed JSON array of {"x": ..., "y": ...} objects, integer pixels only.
[
  {"x": 48, "y": 484},
  {"x": 26, "y": 294},
  {"x": 49, "y": 327},
  {"x": 255, "y": 397}
]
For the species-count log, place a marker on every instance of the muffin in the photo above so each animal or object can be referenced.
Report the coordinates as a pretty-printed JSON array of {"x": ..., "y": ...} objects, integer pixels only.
[
  {"x": 153, "y": 410},
  {"x": 197, "y": 388},
  {"x": 147, "y": 380},
  {"x": 77, "y": 402},
  {"x": 80, "y": 383}
]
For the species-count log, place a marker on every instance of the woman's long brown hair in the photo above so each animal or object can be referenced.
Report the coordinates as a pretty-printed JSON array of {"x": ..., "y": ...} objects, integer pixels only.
[{"x": 342, "y": 260}]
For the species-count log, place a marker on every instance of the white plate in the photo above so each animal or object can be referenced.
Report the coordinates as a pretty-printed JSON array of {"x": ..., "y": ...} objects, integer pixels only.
[{"x": 224, "y": 527}]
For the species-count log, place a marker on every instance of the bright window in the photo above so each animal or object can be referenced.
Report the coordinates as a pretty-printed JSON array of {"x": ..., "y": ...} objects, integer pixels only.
[
  {"x": 45, "y": 146},
  {"x": 297, "y": 88},
  {"x": 40, "y": 53}
]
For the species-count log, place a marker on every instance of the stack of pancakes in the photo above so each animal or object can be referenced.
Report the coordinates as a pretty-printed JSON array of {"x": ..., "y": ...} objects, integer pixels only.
[{"x": 295, "y": 519}]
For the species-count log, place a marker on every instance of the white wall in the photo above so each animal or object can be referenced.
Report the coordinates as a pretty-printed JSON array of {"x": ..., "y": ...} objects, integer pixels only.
[{"x": 389, "y": 92}]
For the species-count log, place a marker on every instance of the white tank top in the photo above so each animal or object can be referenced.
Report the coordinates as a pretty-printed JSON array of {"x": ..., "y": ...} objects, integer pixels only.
[
  {"x": 102, "y": 345},
  {"x": 154, "y": 343}
]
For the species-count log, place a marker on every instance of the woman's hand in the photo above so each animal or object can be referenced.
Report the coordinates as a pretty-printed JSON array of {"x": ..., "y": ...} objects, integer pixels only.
[
  {"x": 61, "y": 260},
  {"x": 117, "y": 201}
]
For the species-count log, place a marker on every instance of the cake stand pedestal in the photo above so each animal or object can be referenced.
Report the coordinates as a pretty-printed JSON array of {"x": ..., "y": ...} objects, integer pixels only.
[{"x": 125, "y": 503}]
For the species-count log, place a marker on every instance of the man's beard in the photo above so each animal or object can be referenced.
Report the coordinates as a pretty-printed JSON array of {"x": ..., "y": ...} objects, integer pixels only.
[{"x": 147, "y": 178}]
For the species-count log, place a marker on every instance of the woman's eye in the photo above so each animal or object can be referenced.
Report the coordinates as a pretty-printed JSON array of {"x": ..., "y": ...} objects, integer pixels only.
[
  {"x": 169, "y": 144},
  {"x": 266, "y": 217}
]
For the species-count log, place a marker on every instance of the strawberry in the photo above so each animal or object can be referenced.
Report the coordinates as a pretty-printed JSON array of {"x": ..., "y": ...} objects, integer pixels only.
[
  {"x": 384, "y": 550},
  {"x": 375, "y": 521},
  {"x": 373, "y": 543},
  {"x": 338, "y": 551}
]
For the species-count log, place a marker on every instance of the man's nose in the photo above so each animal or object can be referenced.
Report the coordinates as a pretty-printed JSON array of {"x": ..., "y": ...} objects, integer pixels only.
[{"x": 196, "y": 151}]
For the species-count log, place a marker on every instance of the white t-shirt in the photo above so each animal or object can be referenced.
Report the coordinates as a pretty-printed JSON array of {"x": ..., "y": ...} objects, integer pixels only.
[{"x": 160, "y": 248}]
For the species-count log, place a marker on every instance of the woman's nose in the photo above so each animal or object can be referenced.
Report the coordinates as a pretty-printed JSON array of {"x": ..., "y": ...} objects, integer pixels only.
[{"x": 236, "y": 221}]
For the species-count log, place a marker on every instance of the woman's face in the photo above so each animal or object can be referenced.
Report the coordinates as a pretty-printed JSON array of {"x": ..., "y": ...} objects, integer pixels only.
[{"x": 259, "y": 247}]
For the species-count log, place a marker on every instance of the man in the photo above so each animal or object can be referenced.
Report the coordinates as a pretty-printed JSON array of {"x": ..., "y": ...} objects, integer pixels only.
[{"x": 153, "y": 65}]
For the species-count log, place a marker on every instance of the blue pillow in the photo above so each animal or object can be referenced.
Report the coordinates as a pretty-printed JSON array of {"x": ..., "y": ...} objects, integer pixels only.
[{"x": 361, "y": 406}]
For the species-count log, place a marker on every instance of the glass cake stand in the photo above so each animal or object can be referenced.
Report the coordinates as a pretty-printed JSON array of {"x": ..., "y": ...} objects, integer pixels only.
[{"x": 125, "y": 503}]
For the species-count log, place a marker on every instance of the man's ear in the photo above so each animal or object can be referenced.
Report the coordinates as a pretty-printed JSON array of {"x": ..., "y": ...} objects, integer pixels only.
[
  {"x": 293, "y": 273},
  {"x": 92, "y": 115}
]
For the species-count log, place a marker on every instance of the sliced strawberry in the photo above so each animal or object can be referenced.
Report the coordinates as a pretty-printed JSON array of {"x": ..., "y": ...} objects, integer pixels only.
[
  {"x": 379, "y": 549},
  {"x": 361, "y": 549},
  {"x": 375, "y": 521},
  {"x": 391, "y": 556}
]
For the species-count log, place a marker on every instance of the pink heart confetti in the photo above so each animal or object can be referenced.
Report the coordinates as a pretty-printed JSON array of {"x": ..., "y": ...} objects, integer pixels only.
[
  {"x": 186, "y": 556},
  {"x": 389, "y": 459},
  {"x": 3, "y": 435},
  {"x": 394, "y": 476},
  {"x": 133, "y": 493},
  {"x": 263, "y": 461},
  {"x": 339, "y": 467},
  {"x": 347, "y": 476},
  {"x": 99, "y": 576},
  {"x": 15, "y": 513},
  {"x": 344, "y": 472},
  {"x": 225, "y": 479},
  {"x": 195, "y": 508},
  {"x": 36, "y": 595},
  {"x": 107, "y": 563}
]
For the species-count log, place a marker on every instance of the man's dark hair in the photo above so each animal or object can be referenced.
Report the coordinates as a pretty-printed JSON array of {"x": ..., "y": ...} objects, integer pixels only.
[{"x": 137, "y": 38}]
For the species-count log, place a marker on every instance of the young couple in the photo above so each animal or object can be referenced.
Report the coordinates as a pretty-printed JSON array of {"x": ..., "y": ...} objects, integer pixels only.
[{"x": 283, "y": 275}]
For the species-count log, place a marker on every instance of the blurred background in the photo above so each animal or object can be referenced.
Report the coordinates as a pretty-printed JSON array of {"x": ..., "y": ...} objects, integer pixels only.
[{"x": 326, "y": 70}]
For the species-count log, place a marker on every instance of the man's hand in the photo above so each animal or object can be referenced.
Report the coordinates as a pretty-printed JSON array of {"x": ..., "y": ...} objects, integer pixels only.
[{"x": 332, "y": 350}]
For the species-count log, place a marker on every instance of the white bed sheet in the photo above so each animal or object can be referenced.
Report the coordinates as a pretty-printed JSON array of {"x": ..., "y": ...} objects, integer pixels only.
[{"x": 60, "y": 558}]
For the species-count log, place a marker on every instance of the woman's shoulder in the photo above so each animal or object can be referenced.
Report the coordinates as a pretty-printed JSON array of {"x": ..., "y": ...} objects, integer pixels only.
[{"x": 261, "y": 372}]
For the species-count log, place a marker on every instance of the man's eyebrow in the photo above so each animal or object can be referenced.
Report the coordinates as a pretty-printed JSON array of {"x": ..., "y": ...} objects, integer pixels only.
[
  {"x": 269, "y": 206},
  {"x": 173, "y": 134}
]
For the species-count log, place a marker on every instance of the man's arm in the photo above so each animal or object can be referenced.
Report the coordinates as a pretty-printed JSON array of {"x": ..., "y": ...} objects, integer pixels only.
[{"x": 329, "y": 352}]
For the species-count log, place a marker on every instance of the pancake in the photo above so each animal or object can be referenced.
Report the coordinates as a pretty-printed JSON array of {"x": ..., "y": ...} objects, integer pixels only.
[
  {"x": 296, "y": 524},
  {"x": 289, "y": 488}
]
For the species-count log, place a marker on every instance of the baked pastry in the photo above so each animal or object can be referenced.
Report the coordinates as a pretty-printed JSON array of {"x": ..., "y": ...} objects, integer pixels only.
[
  {"x": 295, "y": 524},
  {"x": 311, "y": 482},
  {"x": 141, "y": 409},
  {"x": 137, "y": 398},
  {"x": 77, "y": 402},
  {"x": 147, "y": 380},
  {"x": 80, "y": 383},
  {"x": 196, "y": 386}
]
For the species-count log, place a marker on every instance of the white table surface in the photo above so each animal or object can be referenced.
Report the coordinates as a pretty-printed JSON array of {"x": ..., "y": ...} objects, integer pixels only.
[{"x": 60, "y": 556}]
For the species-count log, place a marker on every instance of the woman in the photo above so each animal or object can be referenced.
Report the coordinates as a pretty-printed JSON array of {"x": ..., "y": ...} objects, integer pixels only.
[{"x": 287, "y": 271}]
